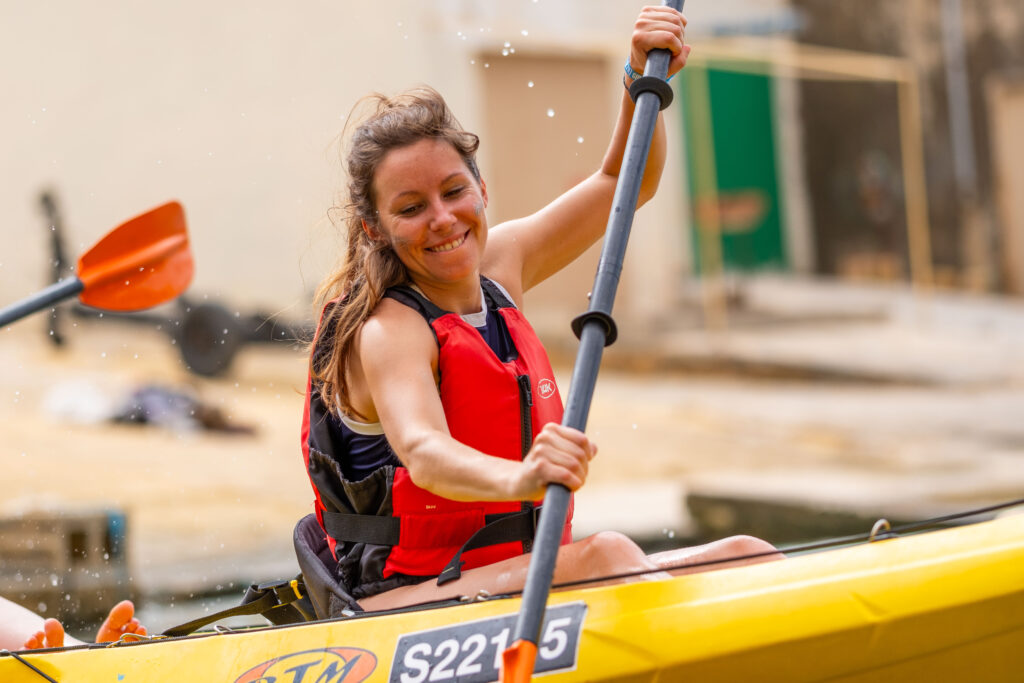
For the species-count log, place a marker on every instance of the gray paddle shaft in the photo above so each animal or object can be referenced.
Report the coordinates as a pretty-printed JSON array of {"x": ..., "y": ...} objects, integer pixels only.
[
  {"x": 58, "y": 291},
  {"x": 596, "y": 331}
]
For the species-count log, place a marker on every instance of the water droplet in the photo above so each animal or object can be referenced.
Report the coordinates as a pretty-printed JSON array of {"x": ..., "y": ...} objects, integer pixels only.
[
  {"x": 525, "y": 32},
  {"x": 580, "y": 139},
  {"x": 551, "y": 113},
  {"x": 529, "y": 84}
]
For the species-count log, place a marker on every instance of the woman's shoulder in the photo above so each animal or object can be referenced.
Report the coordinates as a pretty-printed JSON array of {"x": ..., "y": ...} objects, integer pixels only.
[
  {"x": 392, "y": 321},
  {"x": 388, "y": 315}
]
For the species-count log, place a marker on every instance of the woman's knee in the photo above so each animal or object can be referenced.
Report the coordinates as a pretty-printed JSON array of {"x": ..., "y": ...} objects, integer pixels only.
[
  {"x": 748, "y": 545},
  {"x": 612, "y": 549}
]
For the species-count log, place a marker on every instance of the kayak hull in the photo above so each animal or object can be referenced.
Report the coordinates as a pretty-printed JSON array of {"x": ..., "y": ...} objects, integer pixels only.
[{"x": 945, "y": 605}]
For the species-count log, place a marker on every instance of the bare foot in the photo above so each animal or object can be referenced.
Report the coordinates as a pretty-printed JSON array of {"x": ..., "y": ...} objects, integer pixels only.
[
  {"x": 52, "y": 635},
  {"x": 120, "y": 621}
]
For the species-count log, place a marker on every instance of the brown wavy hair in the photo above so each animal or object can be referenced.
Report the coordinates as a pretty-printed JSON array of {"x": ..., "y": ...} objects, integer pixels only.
[{"x": 370, "y": 266}]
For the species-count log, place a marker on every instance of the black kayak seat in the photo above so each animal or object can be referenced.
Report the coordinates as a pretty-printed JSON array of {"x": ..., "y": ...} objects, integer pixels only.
[{"x": 315, "y": 560}]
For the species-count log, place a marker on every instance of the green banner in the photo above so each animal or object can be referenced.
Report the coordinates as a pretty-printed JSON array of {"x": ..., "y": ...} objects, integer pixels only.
[{"x": 728, "y": 121}]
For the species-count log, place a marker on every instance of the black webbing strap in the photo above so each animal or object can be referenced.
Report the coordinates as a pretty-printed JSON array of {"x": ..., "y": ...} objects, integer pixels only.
[
  {"x": 516, "y": 526},
  {"x": 370, "y": 529},
  {"x": 346, "y": 527},
  {"x": 280, "y": 602}
]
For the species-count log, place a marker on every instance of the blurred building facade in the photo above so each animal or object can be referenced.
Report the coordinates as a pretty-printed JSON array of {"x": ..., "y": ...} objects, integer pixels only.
[
  {"x": 969, "y": 59},
  {"x": 236, "y": 109}
]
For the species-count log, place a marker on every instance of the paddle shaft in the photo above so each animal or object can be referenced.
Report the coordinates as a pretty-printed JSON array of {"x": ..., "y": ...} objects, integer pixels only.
[
  {"x": 58, "y": 291},
  {"x": 141, "y": 263},
  {"x": 592, "y": 342}
]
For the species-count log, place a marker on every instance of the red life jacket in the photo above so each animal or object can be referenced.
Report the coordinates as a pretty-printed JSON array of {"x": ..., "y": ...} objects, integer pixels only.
[{"x": 492, "y": 405}]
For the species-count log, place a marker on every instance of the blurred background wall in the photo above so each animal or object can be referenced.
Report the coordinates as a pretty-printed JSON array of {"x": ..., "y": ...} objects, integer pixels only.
[{"x": 236, "y": 109}]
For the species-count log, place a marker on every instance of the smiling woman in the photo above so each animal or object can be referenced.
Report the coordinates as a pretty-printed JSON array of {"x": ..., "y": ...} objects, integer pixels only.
[
  {"x": 433, "y": 419},
  {"x": 433, "y": 208}
]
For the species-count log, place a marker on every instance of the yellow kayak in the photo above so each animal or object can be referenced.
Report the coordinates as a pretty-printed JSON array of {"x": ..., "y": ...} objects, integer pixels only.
[{"x": 943, "y": 605}]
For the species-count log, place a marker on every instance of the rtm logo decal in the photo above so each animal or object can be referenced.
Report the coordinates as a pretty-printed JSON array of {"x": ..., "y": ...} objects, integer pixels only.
[
  {"x": 546, "y": 388},
  {"x": 330, "y": 665}
]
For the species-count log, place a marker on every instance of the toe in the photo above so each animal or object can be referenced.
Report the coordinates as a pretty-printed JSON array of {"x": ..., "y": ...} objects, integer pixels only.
[
  {"x": 54, "y": 633},
  {"x": 34, "y": 642}
]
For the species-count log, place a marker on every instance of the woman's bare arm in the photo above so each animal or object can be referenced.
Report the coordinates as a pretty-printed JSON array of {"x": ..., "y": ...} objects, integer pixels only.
[
  {"x": 528, "y": 250},
  {"x": 398, "y": 354}
]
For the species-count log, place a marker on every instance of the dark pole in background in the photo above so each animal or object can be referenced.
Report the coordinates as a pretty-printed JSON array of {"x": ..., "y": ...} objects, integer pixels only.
[{"x": 59, "y": 268}]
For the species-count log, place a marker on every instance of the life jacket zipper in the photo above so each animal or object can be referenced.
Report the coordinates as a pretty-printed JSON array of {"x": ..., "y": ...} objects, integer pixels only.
[
  {"x": 525, "y": 418},
  {"x": 525, "y": 436}
]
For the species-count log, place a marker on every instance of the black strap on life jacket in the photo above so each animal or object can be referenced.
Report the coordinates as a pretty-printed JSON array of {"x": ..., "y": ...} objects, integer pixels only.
[
  {"x": 346, "y": 527},
  {"x": 512, "y": 527},
  {"x": 507, "y": 527},
  {"x": 494, "y": 300}
]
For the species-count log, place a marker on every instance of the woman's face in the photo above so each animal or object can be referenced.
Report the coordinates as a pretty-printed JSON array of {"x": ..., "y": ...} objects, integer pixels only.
[{"x": 431, "y": 209}]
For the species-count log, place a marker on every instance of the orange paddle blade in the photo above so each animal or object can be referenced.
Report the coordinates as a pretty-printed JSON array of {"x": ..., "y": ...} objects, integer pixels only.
[
  {"x": 140, "y": 263},
  {"x": 517, "y": 662}
]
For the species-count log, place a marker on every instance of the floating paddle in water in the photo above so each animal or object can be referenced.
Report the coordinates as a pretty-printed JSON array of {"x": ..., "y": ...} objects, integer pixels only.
[
  {"x": 595, "y": 329},
  {"x": 139, "y": 264}
]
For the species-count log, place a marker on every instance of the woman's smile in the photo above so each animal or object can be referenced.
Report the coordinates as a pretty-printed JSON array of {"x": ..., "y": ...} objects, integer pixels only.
[
  {"x": 453, "y": 243},
  {"x": 431, "y": 209}
]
